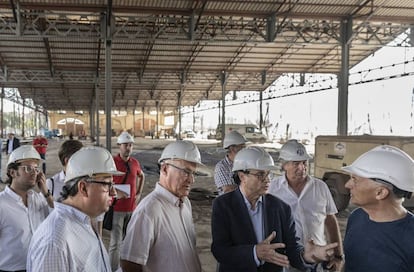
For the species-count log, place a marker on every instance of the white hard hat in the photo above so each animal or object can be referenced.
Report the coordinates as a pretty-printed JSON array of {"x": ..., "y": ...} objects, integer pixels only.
[
  {"x": 387, "y": 163},
  {"x": 24, "y": 152},
  {"x": 233, "y": 138},
  {"x": 253, "y": 157},
  {"x": 125, "y": 138},
  {"x": 292, "y": 150},
  {"x": 91, "y": 160},
  {"x": 183, "y": 150}
]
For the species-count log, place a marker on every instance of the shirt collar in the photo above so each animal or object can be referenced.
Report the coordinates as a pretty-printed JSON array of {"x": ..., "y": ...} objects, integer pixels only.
[
  {"x": 259, "y": 201},
  {"x": 62, "y": 175},
  {"x": 79, "y": 215},
  {"x": 284, "y": 179},
  {"x": 228, "y": 160},
  {"x": 121, "y": 159},
  {"x": 170, "y": 197},
  {"x": 13, "y": 194}
]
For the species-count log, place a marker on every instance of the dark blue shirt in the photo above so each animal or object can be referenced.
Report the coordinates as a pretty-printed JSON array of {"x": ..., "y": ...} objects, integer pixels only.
[{"x": 379, "y": 246}]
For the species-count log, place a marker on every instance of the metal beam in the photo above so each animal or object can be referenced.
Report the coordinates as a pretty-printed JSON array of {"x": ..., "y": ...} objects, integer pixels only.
[
  {"x": 207, "y": 28},
  {"x": 271, "y": 28},
  {"x": 223, "y": 77},
  {"x": 263, "y": 81},
  {"x": 343, "y": 78},
  {"x": 108, "y": 76},
  {"x": 49, "y": 57},
  {"x": 97, "y": 115},
  {"x": 179, "y": 98}
]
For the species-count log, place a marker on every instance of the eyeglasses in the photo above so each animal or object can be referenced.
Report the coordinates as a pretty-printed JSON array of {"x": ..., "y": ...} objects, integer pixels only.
[
  {"x": 185, "y": 172},
  {"x": 28, "y": 169},
  {"x": 109, "y": 186},
  {"x": 262, "y": 176}
]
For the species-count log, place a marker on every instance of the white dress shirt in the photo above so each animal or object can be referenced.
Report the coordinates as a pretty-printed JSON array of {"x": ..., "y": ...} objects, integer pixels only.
[
  {"x": 17, "y": 225},
  {"x": 309, "y": 209}
]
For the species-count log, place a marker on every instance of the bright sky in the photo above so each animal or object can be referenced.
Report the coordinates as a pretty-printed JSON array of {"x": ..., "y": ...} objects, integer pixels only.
[{"x": 388, "y": 103}]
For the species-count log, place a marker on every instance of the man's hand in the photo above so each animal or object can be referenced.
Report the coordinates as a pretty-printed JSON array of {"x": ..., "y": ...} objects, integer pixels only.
[
  {"x": 335, "y": 264},
  {"x": 316, "y": 254},
  {"x": 41, "y": 182},
  {"x": 266, "y": 251}
]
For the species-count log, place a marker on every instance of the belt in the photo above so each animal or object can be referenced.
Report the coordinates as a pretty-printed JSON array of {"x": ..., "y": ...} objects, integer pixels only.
[{"x": 13, "y": 271}]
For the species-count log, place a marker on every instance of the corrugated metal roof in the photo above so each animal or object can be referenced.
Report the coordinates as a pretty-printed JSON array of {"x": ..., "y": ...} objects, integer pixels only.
[{"x": 57, "y": 55}]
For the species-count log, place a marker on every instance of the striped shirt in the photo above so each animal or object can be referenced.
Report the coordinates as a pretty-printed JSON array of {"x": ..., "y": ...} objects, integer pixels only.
[
  {"x": 65, "y": 241},
  {"x": 223, "y": 174}
]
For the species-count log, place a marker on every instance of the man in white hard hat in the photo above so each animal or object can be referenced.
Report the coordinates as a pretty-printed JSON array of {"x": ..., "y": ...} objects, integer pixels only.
[
  {"x": 253, "y": 230},
  {"x": 379, "y": 234},
  {"x": 161, "y": 234},
  {"x": 312, "y": 205},
  {"x": 128, "y": 194},
  {"x": 22, "y": 209},
  {"x": 66, "y": 241},
  {"x": 223, "y": 176}
]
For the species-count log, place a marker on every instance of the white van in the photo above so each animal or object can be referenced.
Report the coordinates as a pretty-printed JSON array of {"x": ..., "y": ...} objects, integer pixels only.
[{"x": 249, "y": 131}]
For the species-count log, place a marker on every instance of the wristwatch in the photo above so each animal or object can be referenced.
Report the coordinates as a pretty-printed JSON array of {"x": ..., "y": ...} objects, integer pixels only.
[{"x": 48, "y": 194}]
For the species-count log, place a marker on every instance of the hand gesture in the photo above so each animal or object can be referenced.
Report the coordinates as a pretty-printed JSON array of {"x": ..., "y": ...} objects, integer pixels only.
[
  {"x": 41, "y": 182},
  {"x": 335, "y": 264},
  {"x": 266, "y": 251},
  {"x": 316, "y": 254}
]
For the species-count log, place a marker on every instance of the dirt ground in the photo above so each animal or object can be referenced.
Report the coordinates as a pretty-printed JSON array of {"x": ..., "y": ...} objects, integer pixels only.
[{"x": 147, "y": 151}]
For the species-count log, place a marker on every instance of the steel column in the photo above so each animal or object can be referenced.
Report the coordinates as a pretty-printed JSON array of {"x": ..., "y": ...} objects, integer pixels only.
[
  {"x": 223, "y": 104},
  {"x": 343, "y": 77},
  {"x": 108, "y": 76},
  {"x": 97, "y": 115}
]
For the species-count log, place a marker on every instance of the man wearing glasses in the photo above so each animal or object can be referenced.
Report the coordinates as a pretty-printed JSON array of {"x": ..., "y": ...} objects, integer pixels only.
[
  {"x": 255, "y": 231},
  {"x": 161, "y": 234},
  {"x": 22, "y": 209},
  {"x": 66, "y": 240},
  {"x": 128, "y": 194}
]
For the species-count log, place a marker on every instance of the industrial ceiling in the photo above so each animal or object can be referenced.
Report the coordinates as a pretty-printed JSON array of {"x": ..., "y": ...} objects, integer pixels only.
[{"x": 61, "y": 54}]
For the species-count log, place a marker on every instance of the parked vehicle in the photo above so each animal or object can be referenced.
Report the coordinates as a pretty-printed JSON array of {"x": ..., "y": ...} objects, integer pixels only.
[
  {"x": 187, "y": 134},
  {"x": 334, "y": 152},
  {"x": 249, "y": 131},
  {"x": 53, "y": 133}
]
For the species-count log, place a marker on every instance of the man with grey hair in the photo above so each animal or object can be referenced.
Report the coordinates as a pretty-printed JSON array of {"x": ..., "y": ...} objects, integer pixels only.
[
  {"x": 310, "y": 200},
  {"x": 379, "y": 234},
  {"x": 161, "y": 234}
]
